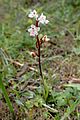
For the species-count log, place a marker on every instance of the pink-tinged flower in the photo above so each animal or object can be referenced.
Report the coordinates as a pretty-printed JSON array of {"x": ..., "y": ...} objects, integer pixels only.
[
  {"x": 33, "y": 14},
  {"x": 33, "y": 30},
  {"x": 42, "y": 19}
]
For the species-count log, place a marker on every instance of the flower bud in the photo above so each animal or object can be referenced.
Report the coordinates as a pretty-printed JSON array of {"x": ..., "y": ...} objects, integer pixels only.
[
  {"x": 33, "y": 54},
  {"x": 45, "y": 39}
]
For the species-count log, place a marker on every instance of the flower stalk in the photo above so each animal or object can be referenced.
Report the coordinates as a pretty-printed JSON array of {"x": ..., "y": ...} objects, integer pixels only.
[
  {"x": 39, "y": 52},
  {"x": 39, "y": 55}
]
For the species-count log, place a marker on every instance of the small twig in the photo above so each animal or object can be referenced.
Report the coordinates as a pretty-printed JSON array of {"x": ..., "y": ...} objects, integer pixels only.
[
  {"x": 74, "y": 80},
  {"x": 15, "y": 62},
  {"x": 25, "y": 67},
  {"x": 50, "y": 108}
]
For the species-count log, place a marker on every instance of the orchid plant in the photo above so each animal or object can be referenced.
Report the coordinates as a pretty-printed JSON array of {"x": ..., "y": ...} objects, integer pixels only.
[{"x": 34, "y": 32}]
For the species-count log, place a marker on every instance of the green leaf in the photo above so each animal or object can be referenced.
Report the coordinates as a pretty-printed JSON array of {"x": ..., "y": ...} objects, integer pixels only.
[
  {"x": 77, "y": 86},
  {"x": 70, "y": 109},
  {"x": 19, "y": 102},
  {"x": 46, "y": 90},
  {"x": 5, "y": 94},
  {"x": 76, "y": 50}
]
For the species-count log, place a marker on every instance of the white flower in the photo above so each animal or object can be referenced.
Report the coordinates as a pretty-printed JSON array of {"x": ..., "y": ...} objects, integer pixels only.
[
  {"x": 46, "y": 21},
  {"x": 33, "y": 14},
  {"x": 42, "y": 19},
  {"x": 33, "y": 30}
]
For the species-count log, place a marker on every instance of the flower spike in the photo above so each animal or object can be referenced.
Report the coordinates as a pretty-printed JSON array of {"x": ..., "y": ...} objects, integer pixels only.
[{"x": 33, "y": 30}]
